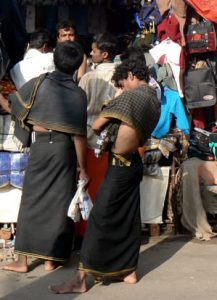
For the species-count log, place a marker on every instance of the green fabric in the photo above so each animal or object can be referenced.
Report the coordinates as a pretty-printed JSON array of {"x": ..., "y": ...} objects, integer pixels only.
[{"x": 213, "y": 149}]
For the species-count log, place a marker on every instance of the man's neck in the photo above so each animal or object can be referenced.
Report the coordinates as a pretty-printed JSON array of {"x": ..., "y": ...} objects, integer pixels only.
[
  {"x": 141, "y": 83},
  {"x": 105, "y": 61}
]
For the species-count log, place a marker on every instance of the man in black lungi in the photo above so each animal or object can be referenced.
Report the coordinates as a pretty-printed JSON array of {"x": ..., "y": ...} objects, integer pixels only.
[
  {"x": 111, "y": 245},
  {"x": 57, "y": 116}
]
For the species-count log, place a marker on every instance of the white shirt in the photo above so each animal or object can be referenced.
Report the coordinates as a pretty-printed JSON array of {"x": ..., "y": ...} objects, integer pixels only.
[
  {"x": 169, "y": 52},
  {"x": 33, "y": 64}
]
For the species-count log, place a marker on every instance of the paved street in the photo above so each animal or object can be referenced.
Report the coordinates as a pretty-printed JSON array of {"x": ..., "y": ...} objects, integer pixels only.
[{"x": 170, "y": 268}]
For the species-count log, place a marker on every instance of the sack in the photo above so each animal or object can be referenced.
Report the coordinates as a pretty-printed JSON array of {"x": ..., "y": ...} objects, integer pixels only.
[
  {"x": 201, "y": 37},
  {"x": 81, "y": 203},
  {"x": 7, "y": 133},
  {"x": 200, "y": 87}
]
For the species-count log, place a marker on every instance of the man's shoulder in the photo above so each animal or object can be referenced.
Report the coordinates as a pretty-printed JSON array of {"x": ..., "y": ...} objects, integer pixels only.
[
  {"x": 140, "y": 94},
  {"x": 145, "y": 91},
  {"x": 103, "y": 68},
  {"x": 58, "y": 82}
]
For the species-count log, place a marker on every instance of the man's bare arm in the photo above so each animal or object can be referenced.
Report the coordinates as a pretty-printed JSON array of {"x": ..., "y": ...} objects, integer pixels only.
[
  {"x": 80, "y": 148},
  {"x": 5, "y": 104},
  {"x": 99, "y": 123},
  {"x": 83, "y": 68}
]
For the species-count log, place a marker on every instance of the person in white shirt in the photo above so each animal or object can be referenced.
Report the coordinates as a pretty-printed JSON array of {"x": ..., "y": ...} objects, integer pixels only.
[{"x": 37, "y": 60}]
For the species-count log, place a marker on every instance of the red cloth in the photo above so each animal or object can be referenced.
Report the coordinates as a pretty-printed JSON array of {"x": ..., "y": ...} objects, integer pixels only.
[
  {"x": 199, "y": 118},
  {"x": 205, "y": 8},
  {"x": 169, "y": 28},
  {"x": 96, "y": 169}
]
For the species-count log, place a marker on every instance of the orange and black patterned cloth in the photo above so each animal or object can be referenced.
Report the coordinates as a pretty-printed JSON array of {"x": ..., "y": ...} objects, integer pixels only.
[{"x": 6, "y": 87}]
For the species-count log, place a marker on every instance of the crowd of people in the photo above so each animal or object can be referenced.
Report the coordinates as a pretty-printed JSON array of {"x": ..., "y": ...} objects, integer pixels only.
[{"x": 65, "y": 104}]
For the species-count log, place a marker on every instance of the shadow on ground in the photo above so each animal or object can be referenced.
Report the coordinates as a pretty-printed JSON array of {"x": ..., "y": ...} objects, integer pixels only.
[
  {"x": 159, "y": 253},
  {"x": 33, "y": 285}
]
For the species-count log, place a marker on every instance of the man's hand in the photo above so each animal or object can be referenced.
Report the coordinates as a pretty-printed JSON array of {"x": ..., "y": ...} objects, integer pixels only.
[
  {"x": 83, "y": 175},
  {"x": 4, "y": 104}
]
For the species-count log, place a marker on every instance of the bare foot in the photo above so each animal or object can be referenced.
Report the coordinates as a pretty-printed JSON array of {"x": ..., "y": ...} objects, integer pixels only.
[
  {"x": 131, "y": 278},
  {"x": 76, "y": 285},
  {"x": 15, "y": 267},
  {"x": 50, "y": 265},
  {"x": 68, "y": 287}
]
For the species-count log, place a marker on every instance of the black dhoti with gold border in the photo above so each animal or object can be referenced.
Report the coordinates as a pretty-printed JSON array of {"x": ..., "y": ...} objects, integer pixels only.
[
  {"x": 43, "y": 228},
  {"x": 112, "y": 241}
]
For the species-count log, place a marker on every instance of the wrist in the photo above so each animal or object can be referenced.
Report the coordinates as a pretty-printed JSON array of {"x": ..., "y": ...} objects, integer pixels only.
[{"x": 82, "y": 169}]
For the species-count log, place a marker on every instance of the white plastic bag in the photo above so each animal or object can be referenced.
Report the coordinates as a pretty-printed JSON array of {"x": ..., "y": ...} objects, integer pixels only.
[{"x": 81, "y": 203}]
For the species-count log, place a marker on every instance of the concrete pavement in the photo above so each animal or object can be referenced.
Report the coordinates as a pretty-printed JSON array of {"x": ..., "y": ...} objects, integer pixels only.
[{"x": 170, "y": 268}]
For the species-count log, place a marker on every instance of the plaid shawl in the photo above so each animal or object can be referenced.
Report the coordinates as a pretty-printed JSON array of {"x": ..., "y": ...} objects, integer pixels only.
[
  {"x": 138, "y": 108},
  {"x": 52, "y": 101}
]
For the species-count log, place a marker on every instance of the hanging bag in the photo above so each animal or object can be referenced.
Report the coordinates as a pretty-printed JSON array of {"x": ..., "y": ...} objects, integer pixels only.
[
  {"x": 200, "y": 87},
  {"x": 201, "y": 37},
  {"x": 148, "y": 14}
]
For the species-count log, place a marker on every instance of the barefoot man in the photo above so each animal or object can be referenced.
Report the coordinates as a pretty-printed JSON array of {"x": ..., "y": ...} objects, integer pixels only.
[
  {"x": 111, "y": 245},
  {"x": 57, "y": 116}
]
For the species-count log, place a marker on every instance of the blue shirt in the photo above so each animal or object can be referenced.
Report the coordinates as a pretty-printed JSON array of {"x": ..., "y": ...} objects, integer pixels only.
[{"x": 171, "y": 105}]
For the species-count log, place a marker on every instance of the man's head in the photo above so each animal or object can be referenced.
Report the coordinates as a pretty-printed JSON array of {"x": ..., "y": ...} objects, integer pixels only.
[
  {"x": 68, "y": 57},
  {"x": 104, "y": 48},
  {"x": 66, "y": 31},
  {"x": 130, "y": 74},
  {"x": 133, "y": 54},
  {"x": 41, "y": 40}
]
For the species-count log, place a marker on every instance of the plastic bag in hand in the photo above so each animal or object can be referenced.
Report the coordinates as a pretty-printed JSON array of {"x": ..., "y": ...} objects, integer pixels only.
[{"x": 81, "y": 203}]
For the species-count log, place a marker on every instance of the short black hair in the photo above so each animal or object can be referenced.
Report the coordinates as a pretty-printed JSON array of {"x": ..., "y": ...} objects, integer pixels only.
[
  {"x": 68, "y": 57},
  {"x": 66, "y": 25},
  {"x": 40, "y": 37},
  {"x": 138, "y": 69},
  {"x": 134, "y": 54},
  {"x": 107, "y": 42}
]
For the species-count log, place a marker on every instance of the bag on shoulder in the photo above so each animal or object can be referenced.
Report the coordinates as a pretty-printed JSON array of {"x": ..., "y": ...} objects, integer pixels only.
[{"x": 200, "y": 87}]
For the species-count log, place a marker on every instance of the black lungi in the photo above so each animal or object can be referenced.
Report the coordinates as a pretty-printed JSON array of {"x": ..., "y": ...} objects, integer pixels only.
[
  {"x": 112, "y": 241},
  {"x": 43, "y": 228}
]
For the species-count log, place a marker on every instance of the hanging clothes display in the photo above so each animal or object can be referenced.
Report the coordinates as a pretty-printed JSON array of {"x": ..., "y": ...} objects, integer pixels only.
[
  {"x": 169, "y": 52},
  {"x": 179, "y": 8}
]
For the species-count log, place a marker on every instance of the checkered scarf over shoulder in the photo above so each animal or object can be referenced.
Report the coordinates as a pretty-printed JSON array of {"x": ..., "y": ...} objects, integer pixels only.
[{"x": 138, "y": 108}]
